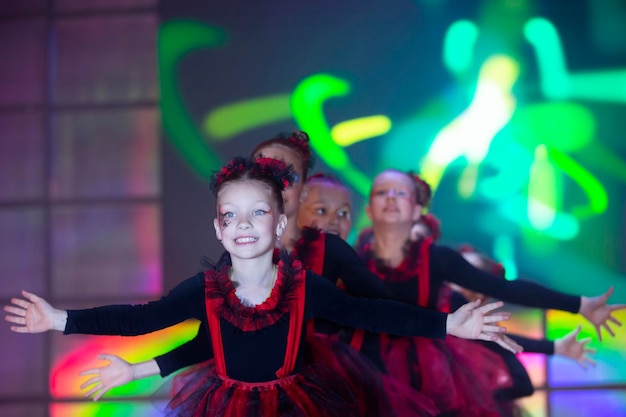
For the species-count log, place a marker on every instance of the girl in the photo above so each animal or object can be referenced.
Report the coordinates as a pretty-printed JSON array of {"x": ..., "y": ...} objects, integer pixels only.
[
  {"x": 326, "y": 204},
  {"x": 324, "y": 254},
  {"x": 254, "y": 312},
  {"x": 416, "y": 271}
]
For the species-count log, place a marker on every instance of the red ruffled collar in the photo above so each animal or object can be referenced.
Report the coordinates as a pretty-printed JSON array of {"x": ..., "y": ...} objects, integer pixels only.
[
  {"x": 407, "y": 270},
  {"x": 221, "y": 291}
]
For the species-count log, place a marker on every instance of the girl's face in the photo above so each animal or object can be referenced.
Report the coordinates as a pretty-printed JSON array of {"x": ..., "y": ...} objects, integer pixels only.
[
  {"x": 248, "y": 221},
  {"x": 392, "y": 200},
  {"x": 326, "y": 206},
  {"x": 291, "y": 196}
]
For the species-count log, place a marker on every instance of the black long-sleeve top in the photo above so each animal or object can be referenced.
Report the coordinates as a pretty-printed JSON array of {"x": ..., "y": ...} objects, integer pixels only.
[
  {"x": 446, "y": 264},
  {"x": 322, "y": 299},
  {"x": 340, "y": 262}
]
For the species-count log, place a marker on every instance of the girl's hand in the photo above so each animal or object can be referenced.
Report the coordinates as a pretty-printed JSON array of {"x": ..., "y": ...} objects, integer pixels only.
[
  {"x": 471, "y": 321},
  {"x": 34, "y": 315},
  {"x": 576, "y": 350},
  {"x": 508, "y": 343},
  {"x": 599, "y": 313},
  {"x": 117, "y": 372}
]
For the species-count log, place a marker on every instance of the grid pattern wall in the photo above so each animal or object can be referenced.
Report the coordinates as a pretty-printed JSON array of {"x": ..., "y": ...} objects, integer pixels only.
[{"x": 80, "y": 193}]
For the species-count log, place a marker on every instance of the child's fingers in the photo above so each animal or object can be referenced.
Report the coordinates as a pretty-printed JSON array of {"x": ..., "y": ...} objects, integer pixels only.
[
  {"x": 598, "y": 332},
  {"x": 93, "y": 390},
  {"x": 608, "y": 329},
  {"x": 92, "y": 371},
  {"x": 489, "y": 307},
  {"x": 504, "y": 339},
  {"x": 614, "y": 320},
  {"x": 21, "y": 302},
  {"x": 590, "y": 351},
  {"x": 607, "y": 294},
  {"x": 20, "y": 329},
  {"x": 490, "y": 337},
  {"x": 15, "y": 319},
  {"x": 510, "y": 345},
  {"x": 15, "y": 310},
  {"x": 99, "y": 395},
  {"x": 90, "y": 382},
  {"x": 492, "y": 318},
  {"x": 31, "y": 297},
  {"x": 107, "y": 357},
  {"x": 587, "y": 360},
  {"x": 469, "y": 306},
  {"x": 493, "y": 329}
]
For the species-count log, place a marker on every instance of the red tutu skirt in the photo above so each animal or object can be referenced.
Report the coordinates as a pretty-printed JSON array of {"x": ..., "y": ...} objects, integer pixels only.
[
  {"x": 376, "y": 394},
  {"x": 336, "y": 381},
  {"x": 313, "y": 392},
  {"x": 458, "y": 375}
]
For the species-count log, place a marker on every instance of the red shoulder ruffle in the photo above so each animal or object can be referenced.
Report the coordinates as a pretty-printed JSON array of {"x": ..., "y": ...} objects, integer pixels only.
[
  {"x": 310, "y": 249},
  {"x": 219, "y": 290}
]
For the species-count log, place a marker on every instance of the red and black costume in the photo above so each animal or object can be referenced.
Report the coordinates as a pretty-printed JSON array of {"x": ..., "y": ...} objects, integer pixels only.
[
  {"x": 258, "y": 366},
  {"x": 460, "y": 376},
  {"x": 332, "y": 257},
  {"x": 324, "y": 254}
]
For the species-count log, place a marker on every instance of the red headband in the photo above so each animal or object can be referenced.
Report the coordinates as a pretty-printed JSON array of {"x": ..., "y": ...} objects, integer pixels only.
[
  {"x": 301, "y": 140},
  {"x": 273, "y": 169}
]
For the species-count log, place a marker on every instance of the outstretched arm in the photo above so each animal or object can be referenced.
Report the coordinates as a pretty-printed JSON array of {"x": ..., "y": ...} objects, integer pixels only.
[
  {"x": 471, "y": 321},
  {"x": 118, "y": 372},
  {"x": 447, "y": 264},
  {"x": 568, "y": 346},
  {"x": 33, "y": 314}
]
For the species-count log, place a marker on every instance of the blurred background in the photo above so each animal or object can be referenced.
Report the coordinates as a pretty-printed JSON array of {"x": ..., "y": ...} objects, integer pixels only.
[{"x": 114, "y": 113}]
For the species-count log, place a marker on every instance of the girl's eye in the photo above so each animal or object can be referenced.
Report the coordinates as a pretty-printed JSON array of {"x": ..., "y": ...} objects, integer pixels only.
[
  {"x": 228, "y": 215},
  {"x": 259, "y": 212},
  {"x": 343, "y": 213},
  {"x": 380, "y": 192},
  {"x": 402, "y": 193},
  {"x": 320, "y": 211}
]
